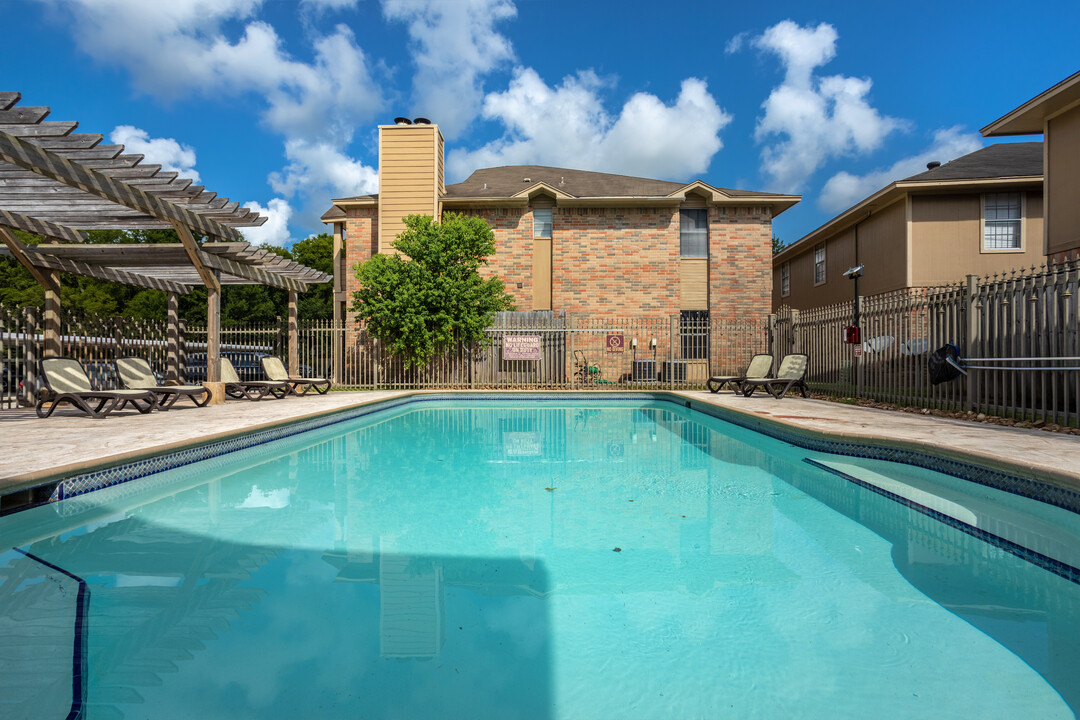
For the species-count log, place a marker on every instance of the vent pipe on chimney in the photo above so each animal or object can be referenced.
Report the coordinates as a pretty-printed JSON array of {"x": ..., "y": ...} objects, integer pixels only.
[{"x": 402, "y": 121}]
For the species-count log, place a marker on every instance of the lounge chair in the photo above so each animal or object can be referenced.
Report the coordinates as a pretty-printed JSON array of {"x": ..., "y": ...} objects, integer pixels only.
[
  {"x": 136, "y": 374},
  {"x": 275, "y": 370},
  {"x": 249, "y": 389},
  {"x": 792, "y": 373},
  {"x": 760, "y": 366},
  {"x": 66, "y": 381}
]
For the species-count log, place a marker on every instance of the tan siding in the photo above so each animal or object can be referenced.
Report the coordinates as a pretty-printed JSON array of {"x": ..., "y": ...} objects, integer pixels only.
[
  {"x": 694, "y": 284},
  {"x": 883, "y": 250},
  {"x": 410, "y": 173},
  {"x": 946, "y": 238},
  {"x": 1063, "y": 182},
  {"x": 541, "y": 267}
]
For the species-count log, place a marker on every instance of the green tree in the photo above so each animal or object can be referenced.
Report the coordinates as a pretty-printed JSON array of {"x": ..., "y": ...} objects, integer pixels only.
[
  {"x": 433, "y": 296},
  {"x": 316, "y": 252},
  {"x": 778, "y": 245}
]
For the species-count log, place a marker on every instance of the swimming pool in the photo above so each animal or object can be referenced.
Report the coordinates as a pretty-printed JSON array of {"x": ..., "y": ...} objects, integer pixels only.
[{"x": 540, "y": 559}]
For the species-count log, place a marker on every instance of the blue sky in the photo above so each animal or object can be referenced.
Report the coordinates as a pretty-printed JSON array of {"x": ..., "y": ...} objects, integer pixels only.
[{"x": 275, "y": 104}]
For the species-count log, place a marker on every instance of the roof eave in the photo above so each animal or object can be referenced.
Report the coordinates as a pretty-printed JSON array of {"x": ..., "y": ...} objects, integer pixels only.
[{"x": 1030, "y": 118}]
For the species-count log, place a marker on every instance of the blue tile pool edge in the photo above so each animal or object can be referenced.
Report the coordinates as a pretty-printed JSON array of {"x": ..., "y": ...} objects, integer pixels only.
[{"x": 1014, "y": 483}]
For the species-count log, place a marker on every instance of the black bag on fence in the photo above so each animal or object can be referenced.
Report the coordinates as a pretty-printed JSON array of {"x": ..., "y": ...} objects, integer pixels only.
[{"x": 939, "y": 368}]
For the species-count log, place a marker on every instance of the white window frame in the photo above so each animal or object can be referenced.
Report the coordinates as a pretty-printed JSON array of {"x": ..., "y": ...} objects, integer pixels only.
[
  {"x": 819, "y": 265},
  {"x": 682, "y": 247},
  {"x": 785, "y": 279},
  {"x": 1020, "y": 223},
  {"x": 543, "y": 226}
]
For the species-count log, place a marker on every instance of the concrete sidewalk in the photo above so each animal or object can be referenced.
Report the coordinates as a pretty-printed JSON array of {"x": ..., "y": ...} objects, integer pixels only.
[{"x": 34, "y": 451}]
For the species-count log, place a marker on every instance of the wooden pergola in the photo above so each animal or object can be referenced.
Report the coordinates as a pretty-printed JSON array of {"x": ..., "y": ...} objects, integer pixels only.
[{"x": 56, "y": 183}]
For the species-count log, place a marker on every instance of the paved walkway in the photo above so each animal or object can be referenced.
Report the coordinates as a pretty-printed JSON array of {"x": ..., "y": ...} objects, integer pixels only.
[{"x": 33, "y": 451}]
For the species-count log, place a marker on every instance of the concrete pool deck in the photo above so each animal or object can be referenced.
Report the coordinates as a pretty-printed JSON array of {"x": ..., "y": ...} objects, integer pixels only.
[{"x": 35, "y": 451}]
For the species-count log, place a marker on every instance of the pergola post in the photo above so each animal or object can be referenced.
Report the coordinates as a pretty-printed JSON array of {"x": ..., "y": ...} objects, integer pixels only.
[
  {"x": 337, "y": 337},
  {"x": 52, "y": 315},
  {"x": 172, "y": 339},
  {"x": 294, "y": 356},
  {"x": 213, "y": 332}
]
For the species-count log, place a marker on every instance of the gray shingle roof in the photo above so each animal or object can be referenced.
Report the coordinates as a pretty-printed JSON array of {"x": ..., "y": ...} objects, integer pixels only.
[
  {"x": 509, "y": 180},
  {"x": 996, "y": 161}
]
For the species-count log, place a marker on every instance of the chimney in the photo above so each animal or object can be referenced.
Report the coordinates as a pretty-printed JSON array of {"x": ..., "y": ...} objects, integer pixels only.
[
  {"x": 933, "y": 164},
  {"x": 411, "y": 180}
]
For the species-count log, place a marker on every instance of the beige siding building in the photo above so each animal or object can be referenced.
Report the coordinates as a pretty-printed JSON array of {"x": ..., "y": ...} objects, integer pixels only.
[
  {"x": 979, "y": 214},
  {"x": 1055, "y": 114}
]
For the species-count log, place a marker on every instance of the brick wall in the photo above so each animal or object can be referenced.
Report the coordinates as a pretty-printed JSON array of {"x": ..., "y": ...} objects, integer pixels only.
[
  {"x": 740, "y": 262},
  {"x": 616, "y": 262}
]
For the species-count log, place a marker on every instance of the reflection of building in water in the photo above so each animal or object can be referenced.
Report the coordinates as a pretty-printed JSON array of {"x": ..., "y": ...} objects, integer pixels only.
[{"x": 410, "y": 608}]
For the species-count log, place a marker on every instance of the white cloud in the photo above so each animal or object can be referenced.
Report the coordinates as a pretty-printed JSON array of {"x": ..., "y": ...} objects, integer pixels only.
[
  {"x": 818, "y": 118},
  {"x": 568, "y": 126},
  {"x": 736, "y": 43},
  {"x": 183, "y": 47},
  {"x": 275, "y": 231},
  {"x": 844, "y": 189},
  {"x": 320, "y": 165},
  {"x": 455, "y": 43},
  {"x": 328, "y": 4},
  {"x": 171, "y": 155}
]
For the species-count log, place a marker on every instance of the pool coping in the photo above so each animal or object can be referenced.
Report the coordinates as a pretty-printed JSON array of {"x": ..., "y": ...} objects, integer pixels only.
[{"x": 1041, "y": 483}]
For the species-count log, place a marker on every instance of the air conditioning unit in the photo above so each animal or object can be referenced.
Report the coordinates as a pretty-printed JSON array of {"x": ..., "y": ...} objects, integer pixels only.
[{"x": 673, "y": 370}]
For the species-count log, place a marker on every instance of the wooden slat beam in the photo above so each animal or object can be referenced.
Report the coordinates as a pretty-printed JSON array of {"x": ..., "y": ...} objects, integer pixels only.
[
  {"x": 23, "y": 115},
  {"x": 30, "y": 157},
  {"x": 42, "y": 129},
  {"x": 253, "y": 273},
  {"x": 106, "y": 273},
  {"x": 198, "y": 259},
  {"x": 40, "y": 227},
  {"x": 8, "y": 98},
  {"x": 46, "y": 279}
]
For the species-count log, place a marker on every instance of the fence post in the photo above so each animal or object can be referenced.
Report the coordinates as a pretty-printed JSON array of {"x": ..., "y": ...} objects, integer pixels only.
[
  {"x": 570, "y": 342},
  {"x": 671, "y": 351},
  {"x": 972, "y": 332}
]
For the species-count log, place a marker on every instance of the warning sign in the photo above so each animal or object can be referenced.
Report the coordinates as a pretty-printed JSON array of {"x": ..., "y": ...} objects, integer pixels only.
[
  {"x": 521, "y": 347},
  {"x": 857, "y": 349},
  {"x": 614, "y": 343}
]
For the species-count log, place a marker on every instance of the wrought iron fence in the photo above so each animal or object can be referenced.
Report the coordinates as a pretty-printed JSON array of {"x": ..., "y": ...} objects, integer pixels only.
[{"x": 1018, "y": 332}]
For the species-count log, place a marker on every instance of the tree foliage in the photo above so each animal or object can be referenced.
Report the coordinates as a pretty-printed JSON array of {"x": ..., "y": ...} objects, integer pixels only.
[
  {"x": 241, "y": 304},
  {"x": 432, "y": 296},
  {"x": 778, "y": 245}
]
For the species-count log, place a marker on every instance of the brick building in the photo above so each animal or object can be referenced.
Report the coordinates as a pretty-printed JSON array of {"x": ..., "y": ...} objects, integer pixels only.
[{"x": 575, "y": 241}]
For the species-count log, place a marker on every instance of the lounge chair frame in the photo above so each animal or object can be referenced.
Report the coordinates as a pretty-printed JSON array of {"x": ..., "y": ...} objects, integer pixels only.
[
  {"x": 66, "y": 381},
  {"x": 760, "y": 367},
  {"x": 275, "y": 370},
  {"x": 250, "y": 389},
  {"x": 792, "y": 374},
  {"x": 136, "y": 374}
]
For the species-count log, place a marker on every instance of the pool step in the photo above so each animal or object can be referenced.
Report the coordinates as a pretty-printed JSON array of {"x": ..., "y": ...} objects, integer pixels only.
[{"x": 1016, "y": 520}]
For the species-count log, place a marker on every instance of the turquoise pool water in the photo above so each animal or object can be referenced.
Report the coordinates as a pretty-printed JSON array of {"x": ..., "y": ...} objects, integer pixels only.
[{"x": 599, "y": 559}]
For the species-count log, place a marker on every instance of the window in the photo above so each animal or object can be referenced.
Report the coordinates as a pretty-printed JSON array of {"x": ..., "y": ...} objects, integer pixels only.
[
  {"x": 694, "y": 334},
  {"x": 542, "y": 223},
  {"x": 785, "y": 280},
  {"x": 694, "y": 233},
  {"x": 1001, "y": 221},
  {"x": 819, "y": 264}
]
